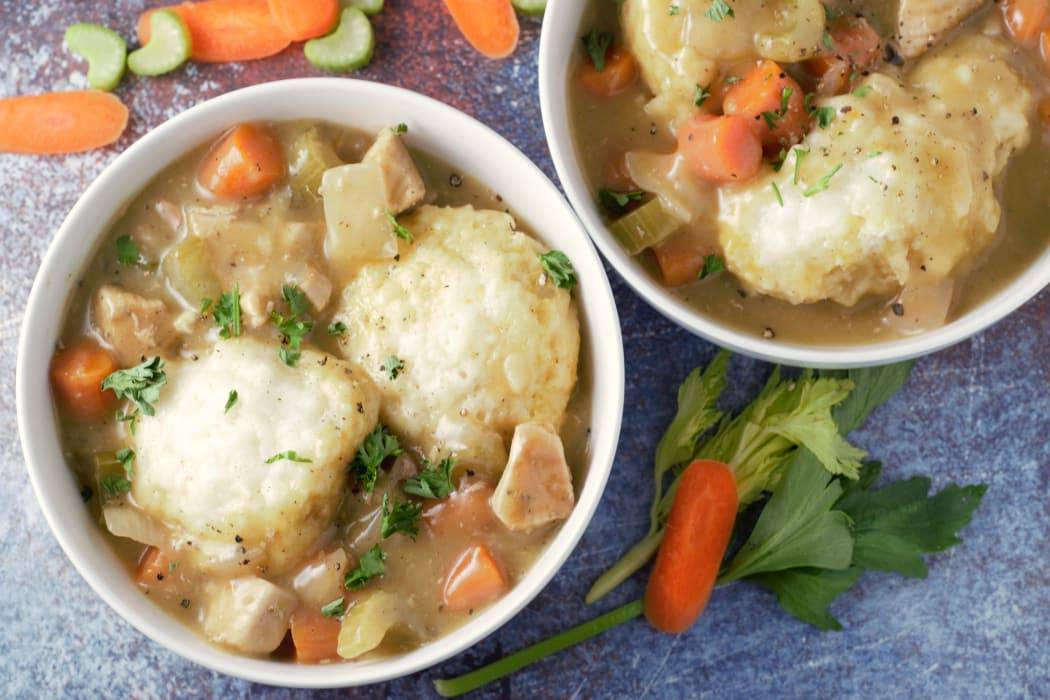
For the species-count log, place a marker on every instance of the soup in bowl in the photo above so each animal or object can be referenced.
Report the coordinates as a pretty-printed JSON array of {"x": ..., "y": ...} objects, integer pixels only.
[
  {"x": 828, "y": 184},
  {"x": 328, "y": 398}
]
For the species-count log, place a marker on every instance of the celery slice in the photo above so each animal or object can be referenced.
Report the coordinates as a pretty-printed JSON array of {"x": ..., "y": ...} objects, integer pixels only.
[
  {"x": 308, "y": 157},
  {"x": 369, "y": 7},
  {"x": 104, "y": 51},
  {"x": 168, "y": 48},
  {"x": 645, "y": 226},
  {"x": 533, "y": 8},
  {"x": 188, "y": 269},
  {"x": 348, "y": 48}
]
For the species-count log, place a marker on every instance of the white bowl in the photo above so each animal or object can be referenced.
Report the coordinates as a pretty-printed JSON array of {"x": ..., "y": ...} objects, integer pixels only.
[
  {"x": 559, "y": 39},
  {"x": 433, "y": 127}
]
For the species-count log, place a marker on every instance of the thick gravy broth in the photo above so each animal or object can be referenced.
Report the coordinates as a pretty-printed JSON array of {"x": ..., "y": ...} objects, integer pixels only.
[
  {"x": 417, "y": 568},
  {"x": 605, "y": 127}
]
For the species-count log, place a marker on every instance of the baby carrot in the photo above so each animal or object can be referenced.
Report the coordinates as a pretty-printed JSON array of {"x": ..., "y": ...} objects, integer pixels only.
[
  {"x": 720, "y": 149},
  {"x": 225, "y": 30},
  {"x": 60, "y": 122},
  {"x": 245, "y": 163},
  {"x": 694, "y": 544},
  {"x": 304, "y": 19},
  {"x": 491, "y": 26}
]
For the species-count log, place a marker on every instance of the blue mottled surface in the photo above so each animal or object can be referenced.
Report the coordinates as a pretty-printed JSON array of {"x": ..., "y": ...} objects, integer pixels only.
[{"x": 979, "y": 626}]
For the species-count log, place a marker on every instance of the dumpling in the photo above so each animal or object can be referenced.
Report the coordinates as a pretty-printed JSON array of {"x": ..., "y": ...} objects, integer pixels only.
[
  {"x": 235, "y": 486},
  {"x": 898, "y": 190},
  {"x": 463, "y": 334}
]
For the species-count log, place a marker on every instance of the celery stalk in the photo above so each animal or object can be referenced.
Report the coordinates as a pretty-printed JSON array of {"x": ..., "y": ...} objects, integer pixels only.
[{"x": 645, "y": 226}]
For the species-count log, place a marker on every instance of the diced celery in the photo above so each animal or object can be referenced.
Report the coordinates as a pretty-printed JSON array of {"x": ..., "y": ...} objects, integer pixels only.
[
  {"x": 309, "y": 155},
  {"x": 188, "y": 270},
  {"x": 645, "y": 226},
  {"x": 369, "y": 7},
  {"x": 372, "y": 620}
]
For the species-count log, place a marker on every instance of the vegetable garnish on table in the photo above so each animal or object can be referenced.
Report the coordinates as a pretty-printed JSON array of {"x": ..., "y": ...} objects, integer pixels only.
[{"x": 785, "y": 458}]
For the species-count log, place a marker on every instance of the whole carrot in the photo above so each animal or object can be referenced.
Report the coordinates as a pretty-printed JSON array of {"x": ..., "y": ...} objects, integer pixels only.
[{"x": 695, "y": 542}]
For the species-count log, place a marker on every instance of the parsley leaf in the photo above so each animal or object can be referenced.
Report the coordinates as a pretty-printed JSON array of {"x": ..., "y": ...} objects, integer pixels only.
[
  {"x": 401, "y": 128},
  {"x": 290, "y": 455},
  {"x": 700, "y": 95},
  {"x": 336, "y": 608},
  {"x": 713, "y": 264},
  {"x": 776, "y": 192},
  {"x": 862, "y": 91},
  {"x": 230, "y": 400},
  {"x": 597, "y": 44},
  {"x": 115, "y": 485},
  {"x": 393, "y": 367},
  {"x": 127, "y": 251},
  {"x": 823, "y": 183},
  {"x": 293, "y": 327},
  {"x": 205, "y": 305},
  {"x": 403, "y": 518},
  {"x": 435, "y": 481},
  {"x": 718, "y": 11},
  {"x": 336, "y": 328},
  {"x": 828, "y": 42},
  {"x": 376, "y": 447},
  {"x": 800, "y": 153},
  {"x": 616, "y": 203},
  {"x": 126, "y": 457},
  {"x": 558, "y": 267},
  {"x": 399, "y": 230},
  {"x": 227, "y": 313},
  {"x": 823, "y": 115},
  {"x": 368, "y": 567},
  {"x": 139, "y": 384},
  {"x": 673, "y": 10}
]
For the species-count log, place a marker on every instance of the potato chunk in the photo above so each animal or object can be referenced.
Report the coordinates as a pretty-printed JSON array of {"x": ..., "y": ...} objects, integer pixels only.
[
  {"x": 536, "y": 486},
  {"x": 249, "y": 614},
  {"x": 356, "y": 216},
  {"x": 403, "y": 186},
  {"x": 133, "y": 325}
]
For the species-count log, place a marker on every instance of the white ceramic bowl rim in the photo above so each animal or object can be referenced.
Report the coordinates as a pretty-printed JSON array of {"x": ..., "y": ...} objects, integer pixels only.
[
  {"x": 433, "y": 127},
  {"x": 558, "y": 41}
]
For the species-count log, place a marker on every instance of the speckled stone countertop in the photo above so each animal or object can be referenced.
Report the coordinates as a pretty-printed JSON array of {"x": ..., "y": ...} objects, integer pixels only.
[{"x": 978, "y": 627}]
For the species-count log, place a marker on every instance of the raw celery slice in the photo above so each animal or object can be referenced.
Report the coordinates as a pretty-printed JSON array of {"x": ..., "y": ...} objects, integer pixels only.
[
  {"x": 348, "y": 48},
  {"x": 645, "y": 226},
  {"x": 369, "y": 7},
  {"x": 533, "y": 8},
  {"x": 104, "y": 51},
  {"x": 168, "y": 48}
]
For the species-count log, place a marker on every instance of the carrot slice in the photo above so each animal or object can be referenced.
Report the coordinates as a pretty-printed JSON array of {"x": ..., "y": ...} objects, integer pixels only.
[
  {"x": 245, "y": 163},
  {"x": 77, "y": 373},
  {"x": 772, "y": 102},
  {"x": 467, "y": 509},
  {"x": 60, "y": 122},
  {"x": 853, "y": 40},
  {"x": 720, "y": 149},
  {"x": 315, "y": 636},
  {"x": 491, "y": 26},
  {"x": 154, "y": 567},
  {"x": 680, "y": 260},
  {"x": 617, "y": 75},
  {"x": 694, "y": 544},
  {"x": 1024, "y": 19},
  {"x": 475, "y": 579},
  {"x": 304, "y": 19},
  {"x": 225, "y": 30}
]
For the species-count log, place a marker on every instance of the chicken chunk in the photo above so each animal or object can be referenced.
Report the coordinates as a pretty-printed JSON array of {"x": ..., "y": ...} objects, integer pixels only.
[
  {"x": 249, "y": 614},
  {"x": 922, "y": 23},
  {"x": 536, "y": 486},
  {"x": 133, "y": 325},
  {"x": 403, "y": 186}
]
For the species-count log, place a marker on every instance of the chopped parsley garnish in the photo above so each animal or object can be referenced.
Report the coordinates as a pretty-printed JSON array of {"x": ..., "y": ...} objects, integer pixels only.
[
  {"x": 435, "y": 481},
  {"x": 205, "y": 305},
  {"x": 291, "y": 456},
  {"x": 823, "y": 115},
  {"x": 336, "y": 328},
  {"x": 376, "y": 447},
  {"x": 597, "y": 44},
  {"x": 139, "y": 384},
  {"x": 773, "y": 117},
  {"x": 403, "y": 518},
  {"x": 828, "y": 42},
  {"x": 829, "y": 14},
  {"x": 616, "y": 203},
  {"x": 131, "y": 419},
  {"x": 230, "y": 400},
  {"x": 126, "y": 457},
  {"x": 800, "y": 153},
  {"x": 401, "y": 128},
  {"x": 673, "y": 10},
  {"x": 718, "y": 11},
  {"x": 701, "y": 95},
  {"x": 393, "y": 366},
  {"x": 713, "y": 264},
  {"x": 822, "y": 183},
  {"x": 115, "y": 485},
  {"x": 399, "y": 230},
  {"x": 732, "y": 79},
  {"x": 127, "y": 251},
  {"x": 779, "y": 162},
  {"x": 227, "y": 313},
  {"x": 776, "y": 191},
  {"x": 861, "y": 91},
  {"x": 368, "y": 567},
  {"x": 293, "y": 327},
  {"x": 336, "y": 608},
  {"x": 874, "y": 154},
  {"x": 558, "y": 267}
]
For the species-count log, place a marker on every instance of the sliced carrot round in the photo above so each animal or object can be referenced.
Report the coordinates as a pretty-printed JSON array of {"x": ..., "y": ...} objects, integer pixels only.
[
  {"x": 76, "y": 375},
  {"x": 617, "y": 74},
  {"x": 491, "y": 26},
  {"x": 304, "y": 19},
  {"x": 226, "y": 30},
  {"x": 245, "y": 163},
  {"x": 61, "y": 122},
  {"x": 720, "y": 149}
]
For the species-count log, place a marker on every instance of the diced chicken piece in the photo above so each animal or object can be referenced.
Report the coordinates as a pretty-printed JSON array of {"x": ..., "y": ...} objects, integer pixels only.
[
  {"x": 321, "y": 580},
  {"x": 922, "y": 23},
  {"x": 356, "y": 215},
  {"x": 402, "y": 184},
  {"x": 317, "y": 287},
  {"x": 249, "y": 614},
  {"x": 133, "y": 325},
  {"x": 536, "y": 486}
]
